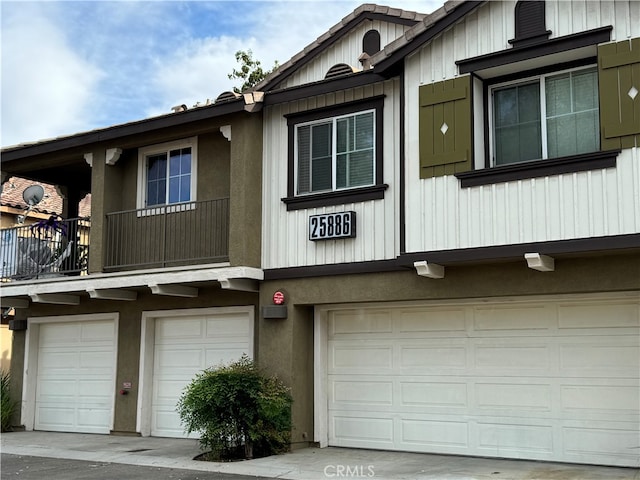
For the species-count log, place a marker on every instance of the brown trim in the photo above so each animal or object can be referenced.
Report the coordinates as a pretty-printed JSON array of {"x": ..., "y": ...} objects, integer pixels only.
[
  {"x": 336, "y": 269},
  {"x": 402, "y": 167},
  {"x": 335, "y": 110},
  {"x": 388, "y": 64},
  {"x": 337, "y": 197},
  {"x": 526, "y": 52},
  {"x": 517, "y": 251},
  {"x": 487, "y": 83},
  {"x": 464, "y": 256},
  {"x": 119, "y": 131},
  {"x": 342, "y": 31},
  {"x": 534, "y": 72},
  {"x": 538, "y": 168},
  {"x": 486, "y": 105},
  {"x": 322, "y": 87}
]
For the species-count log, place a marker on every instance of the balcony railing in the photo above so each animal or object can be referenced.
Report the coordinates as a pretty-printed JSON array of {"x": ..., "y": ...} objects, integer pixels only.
[
  {"x": 48, "y": 248},
  {"x": 173, "y": 235}
]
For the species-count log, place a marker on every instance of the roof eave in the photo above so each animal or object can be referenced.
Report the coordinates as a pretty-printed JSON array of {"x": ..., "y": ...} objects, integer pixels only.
[
  {"x": 362, "y": 13},
  {"x": 322, "y": 87},
  {"x": 17, "y": 152},
  {"x": 425, "y": 31}
]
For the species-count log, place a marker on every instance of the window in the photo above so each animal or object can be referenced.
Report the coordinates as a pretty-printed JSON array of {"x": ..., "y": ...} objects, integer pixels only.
[
  {"x": 336, "y": 154},
  {"x": 167, "y": 173},
  {"x": 550, "y": 116}
]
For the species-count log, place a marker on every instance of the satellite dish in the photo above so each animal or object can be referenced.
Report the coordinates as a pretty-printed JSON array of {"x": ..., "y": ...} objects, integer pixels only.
[{"x": 33, "y": 195}]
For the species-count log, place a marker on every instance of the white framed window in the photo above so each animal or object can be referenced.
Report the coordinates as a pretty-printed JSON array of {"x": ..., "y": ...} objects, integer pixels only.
[
  {"x": 336, "y": 153},
  {"x": 547, "y": 116},
  {"x": 167, "y": 173}
]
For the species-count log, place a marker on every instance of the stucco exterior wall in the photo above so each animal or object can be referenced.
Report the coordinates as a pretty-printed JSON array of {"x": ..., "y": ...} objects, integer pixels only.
[
  {"x": 286, "y": 345},
  {"x": 129, "y": 341}
]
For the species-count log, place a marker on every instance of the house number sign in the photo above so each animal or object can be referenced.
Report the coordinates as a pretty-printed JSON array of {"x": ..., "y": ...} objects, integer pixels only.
[{"x": 330, "y": 226}]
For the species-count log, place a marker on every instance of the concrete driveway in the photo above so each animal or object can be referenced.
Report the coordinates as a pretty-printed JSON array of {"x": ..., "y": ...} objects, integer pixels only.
[{"x": 303, "y": 464}]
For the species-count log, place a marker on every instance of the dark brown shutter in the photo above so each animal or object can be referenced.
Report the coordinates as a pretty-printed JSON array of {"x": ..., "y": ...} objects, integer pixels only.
[
  {"x": 445, "y": 127},
  {"x": 619, "y": 89}
]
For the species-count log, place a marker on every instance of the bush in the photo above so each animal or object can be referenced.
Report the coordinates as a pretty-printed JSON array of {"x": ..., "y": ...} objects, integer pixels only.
[
  {"x": 238, "y": 411},
  {"x": 8, "y": 405}
]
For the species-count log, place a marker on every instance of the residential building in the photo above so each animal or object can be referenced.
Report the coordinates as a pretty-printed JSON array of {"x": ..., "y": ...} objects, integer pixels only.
[
  {"x": 14, "y": 213},
  {"x": 445, "y": 256},
  {"x": 168, "y": 283},
  {"x": 452, "y": 212}
]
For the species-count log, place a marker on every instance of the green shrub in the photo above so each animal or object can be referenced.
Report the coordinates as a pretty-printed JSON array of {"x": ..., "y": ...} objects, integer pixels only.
[
  {"x": 8, "y": 405},
  {"x": 238, "y": 411}
]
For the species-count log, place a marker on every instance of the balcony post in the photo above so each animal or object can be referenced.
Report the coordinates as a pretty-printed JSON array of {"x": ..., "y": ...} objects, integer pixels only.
[
  {"x": 100, "y": 188},
  {"x": 245, "y": 212}
]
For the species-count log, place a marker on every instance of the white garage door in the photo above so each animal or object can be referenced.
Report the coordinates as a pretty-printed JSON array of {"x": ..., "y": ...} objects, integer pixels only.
[
  {"x": 185, "y": 346},
  {"x": 75, "y": 379},
  {"x": 550, "y": 380}
]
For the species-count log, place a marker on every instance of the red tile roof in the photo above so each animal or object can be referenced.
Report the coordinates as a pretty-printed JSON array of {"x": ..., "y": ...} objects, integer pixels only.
[{"x": 51, "y": 203}]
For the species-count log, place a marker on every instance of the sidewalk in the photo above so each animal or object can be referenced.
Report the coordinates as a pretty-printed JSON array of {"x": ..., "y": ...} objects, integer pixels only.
[{"x": 304, "y": 464}]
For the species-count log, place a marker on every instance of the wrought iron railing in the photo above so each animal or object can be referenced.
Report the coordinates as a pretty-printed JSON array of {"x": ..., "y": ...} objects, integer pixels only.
[
  {"x": 173, "y": 235},
  {"x": 48, "y": 248}
]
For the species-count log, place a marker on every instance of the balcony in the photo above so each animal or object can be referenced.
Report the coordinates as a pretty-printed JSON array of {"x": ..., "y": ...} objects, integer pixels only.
[
  {"x": 48, "y": 248},
  {"x": 174, "y": 235}
]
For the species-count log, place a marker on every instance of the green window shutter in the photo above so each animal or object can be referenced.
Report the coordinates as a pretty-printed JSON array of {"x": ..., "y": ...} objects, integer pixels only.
[
  {"x": 619, "y": 78},
  {"x": 445, "y": 127}
]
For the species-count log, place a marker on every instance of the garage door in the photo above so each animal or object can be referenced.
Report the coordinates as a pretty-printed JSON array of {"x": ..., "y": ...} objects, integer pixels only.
[
  {"x": 184, "y": 346},
  {"x": 550, "y": 380},
  {"x": 75, "y": 379}
]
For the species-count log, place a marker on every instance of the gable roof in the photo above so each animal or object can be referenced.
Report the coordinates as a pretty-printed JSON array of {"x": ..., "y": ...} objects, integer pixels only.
[
  {"x": 367, "y": 11},
  {"x": 430, "y": 26}
]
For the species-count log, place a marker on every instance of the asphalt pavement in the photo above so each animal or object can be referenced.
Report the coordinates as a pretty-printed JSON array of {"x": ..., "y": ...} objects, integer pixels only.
[{"x": 23, "y": 467}]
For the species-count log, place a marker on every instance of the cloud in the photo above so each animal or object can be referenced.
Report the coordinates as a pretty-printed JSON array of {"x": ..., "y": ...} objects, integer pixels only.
[
  {"x": 273, "y": 30},
  {"x": 195, "y": 72},
  {"x": 47, "y": 88},
  {"x": 75, "y": 66}
]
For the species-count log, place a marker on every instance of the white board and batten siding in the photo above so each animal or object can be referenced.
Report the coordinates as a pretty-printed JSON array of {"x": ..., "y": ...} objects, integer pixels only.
[
  {"x": 346, "y": 50},
  {"x": 577, "y": 205},
  {"x": 554, "y": 378},
  {"x": 69, "y": 379},
  {"x": 285, "y": 233},
  {"x": 489, "y": 28},
  {"x": 178, "y": 345}
]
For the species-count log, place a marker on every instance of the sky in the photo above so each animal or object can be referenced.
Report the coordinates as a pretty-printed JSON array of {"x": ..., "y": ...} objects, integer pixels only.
[{"x": 73, "y": 66}]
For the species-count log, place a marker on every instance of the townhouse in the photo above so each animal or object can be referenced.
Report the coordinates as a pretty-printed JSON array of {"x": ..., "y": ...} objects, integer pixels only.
[
  {"x": 444, "y": 257},
  {"x": 106, "y": 337},
  {"x": 453, "y": 218}
]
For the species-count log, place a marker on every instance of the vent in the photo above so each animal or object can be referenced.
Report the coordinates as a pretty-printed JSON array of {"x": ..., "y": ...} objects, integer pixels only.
[
  {"x": 339, "y": 70},
  {"x": 371, "y": 42},
  {"x": 530, "y": 23},
  {"x": 226, "y": 96}
]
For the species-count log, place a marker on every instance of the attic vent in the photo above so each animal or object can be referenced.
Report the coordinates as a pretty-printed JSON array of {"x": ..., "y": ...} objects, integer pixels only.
[
  {"x": 371, "y": 42},
  {"x": 339, "y": 70},
  {"x": 530, "y": 23},
  {"x": 226, "y": 96}
]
